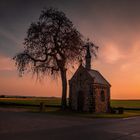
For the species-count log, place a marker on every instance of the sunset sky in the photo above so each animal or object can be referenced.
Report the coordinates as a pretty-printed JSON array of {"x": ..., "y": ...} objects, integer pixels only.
[{"x": 113, "y": 25}]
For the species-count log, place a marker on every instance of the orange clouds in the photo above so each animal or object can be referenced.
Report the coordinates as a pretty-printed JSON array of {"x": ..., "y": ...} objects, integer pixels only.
[
  {"x": 6, "y": 64},
  {"x": 12, "y": 84},
  {"x": 111, "y": 54},
  {"x": 121, "y": 66},
  {"x": 28, "y": 86},
  {"x": 121, "y": 70}
]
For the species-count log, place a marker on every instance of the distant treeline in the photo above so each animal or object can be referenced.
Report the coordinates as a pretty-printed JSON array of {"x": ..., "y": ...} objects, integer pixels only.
[
  {"x": 27, "y": 105},
  {"x": 18, "y": 96}
]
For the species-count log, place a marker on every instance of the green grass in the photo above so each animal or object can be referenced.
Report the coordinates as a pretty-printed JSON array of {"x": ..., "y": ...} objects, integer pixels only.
[
  {"x": 56, "y": 111},
  {"x": 31, "y": 101},
  {"x": 57, "y": 101},
  {"x": 108, "y": 115},
  {"x": 126, "y": 103}
]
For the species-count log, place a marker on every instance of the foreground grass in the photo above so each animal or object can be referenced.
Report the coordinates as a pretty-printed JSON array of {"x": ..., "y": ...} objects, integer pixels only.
[
  {"x": 57, "y": 101},
  {"x": 59, "y": 112},
  {"x": 32, "y": 105},
  {"x": 54, "y": 111}
]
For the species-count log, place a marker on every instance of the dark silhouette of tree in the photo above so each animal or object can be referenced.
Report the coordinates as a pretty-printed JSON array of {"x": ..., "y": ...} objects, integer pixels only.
[{"x": 52, "y": 43}]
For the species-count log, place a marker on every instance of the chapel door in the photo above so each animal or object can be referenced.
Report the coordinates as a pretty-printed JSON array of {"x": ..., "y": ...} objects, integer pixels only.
[{"x": 80, "y": 101}]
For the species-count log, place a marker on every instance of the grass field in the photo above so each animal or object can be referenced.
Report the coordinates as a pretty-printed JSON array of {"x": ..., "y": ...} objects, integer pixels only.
[
  {"x": 57, "y": 101},
  {"x": 31, "y": 101},
  {"x": 32, "y": 104},
  {"x": 126, "y": 103}
]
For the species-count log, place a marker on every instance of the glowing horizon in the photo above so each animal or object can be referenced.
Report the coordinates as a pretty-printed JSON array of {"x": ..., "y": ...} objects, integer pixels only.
[{"x": 27, "y": 85}]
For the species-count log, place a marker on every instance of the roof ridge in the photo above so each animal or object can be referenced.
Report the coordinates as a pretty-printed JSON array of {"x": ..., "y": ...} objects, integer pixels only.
[{"x": 93, "y": 70}]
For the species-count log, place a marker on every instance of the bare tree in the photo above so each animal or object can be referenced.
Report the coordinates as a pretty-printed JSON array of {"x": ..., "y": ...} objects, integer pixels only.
[{"x": 52, "y": 43}]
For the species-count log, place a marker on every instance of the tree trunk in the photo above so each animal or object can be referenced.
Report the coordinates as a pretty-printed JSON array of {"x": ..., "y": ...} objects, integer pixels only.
[{"x": 64, "y": 88}]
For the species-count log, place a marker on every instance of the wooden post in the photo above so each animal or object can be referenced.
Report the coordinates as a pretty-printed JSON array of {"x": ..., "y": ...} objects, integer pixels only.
[{"x": 42, "y": 107}]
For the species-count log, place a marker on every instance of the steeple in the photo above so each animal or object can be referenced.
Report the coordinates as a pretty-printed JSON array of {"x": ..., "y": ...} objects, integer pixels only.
[{"x": 88, "y": 57}]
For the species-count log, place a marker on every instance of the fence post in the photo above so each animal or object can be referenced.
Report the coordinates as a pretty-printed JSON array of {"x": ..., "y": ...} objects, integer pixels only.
[{"x": 42, "y": 107}]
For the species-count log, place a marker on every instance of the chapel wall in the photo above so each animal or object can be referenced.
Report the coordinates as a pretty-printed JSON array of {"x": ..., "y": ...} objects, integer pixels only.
[{"x": 100, "y": 105}]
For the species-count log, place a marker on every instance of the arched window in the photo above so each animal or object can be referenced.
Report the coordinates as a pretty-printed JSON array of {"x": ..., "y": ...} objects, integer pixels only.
[{"x": 102, "y": 95}]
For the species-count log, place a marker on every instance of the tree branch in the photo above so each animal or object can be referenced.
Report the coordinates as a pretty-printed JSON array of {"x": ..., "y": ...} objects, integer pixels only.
[{"x": 36, "y": 60}]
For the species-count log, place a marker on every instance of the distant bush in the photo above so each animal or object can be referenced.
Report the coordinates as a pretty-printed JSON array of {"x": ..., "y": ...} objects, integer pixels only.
[
  {"x": 112, "y": 110},
  {"x": 120, "y": 110},
  {"x": 2, "y": 96}
]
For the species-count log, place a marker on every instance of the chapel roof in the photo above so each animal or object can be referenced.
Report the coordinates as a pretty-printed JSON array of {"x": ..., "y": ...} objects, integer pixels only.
[{"x": 98, "y": 78}]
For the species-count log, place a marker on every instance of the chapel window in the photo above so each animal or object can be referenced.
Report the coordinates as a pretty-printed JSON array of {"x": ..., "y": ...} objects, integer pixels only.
[{"x": 102, "y": 95}]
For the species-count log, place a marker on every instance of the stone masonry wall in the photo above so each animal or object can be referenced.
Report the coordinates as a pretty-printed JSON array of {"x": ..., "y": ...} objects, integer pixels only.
[
  {"x": 83, "y": 84},
  {"x": 101, "y": 106},
  {"x": 80, "y": 83}
]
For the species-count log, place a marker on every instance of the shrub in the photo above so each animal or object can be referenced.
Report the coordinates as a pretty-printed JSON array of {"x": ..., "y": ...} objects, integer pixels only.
[
  {"x": 120, "y": 110},
  {"x": 112, "y": 110}
]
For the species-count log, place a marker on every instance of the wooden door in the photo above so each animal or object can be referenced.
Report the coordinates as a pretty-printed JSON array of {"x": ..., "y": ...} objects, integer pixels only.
[{"x": 80, "y": 101}]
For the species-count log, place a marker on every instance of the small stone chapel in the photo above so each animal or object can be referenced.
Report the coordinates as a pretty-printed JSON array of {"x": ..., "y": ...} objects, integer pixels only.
[{"x": 89, "y": 91}]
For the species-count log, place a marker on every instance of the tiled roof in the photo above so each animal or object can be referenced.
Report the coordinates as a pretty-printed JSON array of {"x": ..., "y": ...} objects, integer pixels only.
[{"x": 98, "y": 78}]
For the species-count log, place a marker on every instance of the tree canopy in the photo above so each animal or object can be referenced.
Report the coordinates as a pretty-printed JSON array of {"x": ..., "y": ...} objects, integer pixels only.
[{"x": 52, "y": 43}]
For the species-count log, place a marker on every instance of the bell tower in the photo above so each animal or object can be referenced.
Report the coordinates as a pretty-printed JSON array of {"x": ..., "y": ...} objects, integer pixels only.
[{"x": 88, "y": 57}]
